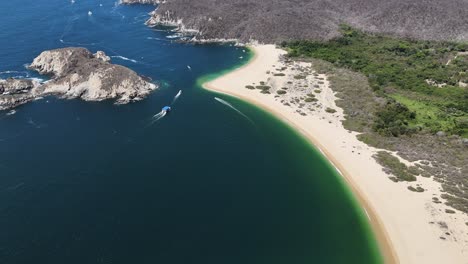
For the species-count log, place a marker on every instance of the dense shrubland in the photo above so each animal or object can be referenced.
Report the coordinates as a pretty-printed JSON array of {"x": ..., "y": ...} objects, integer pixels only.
[
  {"x": 272, "y": 21},
  {"x": 423, "y": 82}
]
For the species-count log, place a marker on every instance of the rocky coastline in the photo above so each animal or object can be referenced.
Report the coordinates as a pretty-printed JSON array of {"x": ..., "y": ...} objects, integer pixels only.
[
  {"x": 278, "y": 21},
  {"x": 76, "y": 73}
]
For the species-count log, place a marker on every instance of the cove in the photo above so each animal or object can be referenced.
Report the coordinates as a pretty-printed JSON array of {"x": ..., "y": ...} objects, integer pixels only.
[{"x": 88, "y": 182}]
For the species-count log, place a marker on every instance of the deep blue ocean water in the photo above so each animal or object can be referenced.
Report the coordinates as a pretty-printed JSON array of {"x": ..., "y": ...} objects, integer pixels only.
[{"x": 85, "y": 182}]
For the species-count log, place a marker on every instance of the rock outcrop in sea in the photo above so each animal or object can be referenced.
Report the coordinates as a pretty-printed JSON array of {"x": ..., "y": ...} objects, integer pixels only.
[
  {"x": 14, "y": 92},
  {"x": 76, "y": 73},
  {"x": 274, "y": 21}
]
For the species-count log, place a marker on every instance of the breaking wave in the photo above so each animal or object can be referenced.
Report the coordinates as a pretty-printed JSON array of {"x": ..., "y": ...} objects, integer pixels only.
[{"x": 14, "y": 74}]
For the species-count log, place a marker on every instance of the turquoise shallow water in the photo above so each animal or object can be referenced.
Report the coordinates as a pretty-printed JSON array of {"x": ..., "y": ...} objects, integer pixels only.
[{"x": 88, "y": 182}]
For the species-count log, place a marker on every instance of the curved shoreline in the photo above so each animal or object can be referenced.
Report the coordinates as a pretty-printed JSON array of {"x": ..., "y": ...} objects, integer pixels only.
[{"x": 385, "y": 246}]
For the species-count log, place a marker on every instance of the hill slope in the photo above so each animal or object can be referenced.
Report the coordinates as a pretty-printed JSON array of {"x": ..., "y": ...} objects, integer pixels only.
[{"x": 273, "y": 21}]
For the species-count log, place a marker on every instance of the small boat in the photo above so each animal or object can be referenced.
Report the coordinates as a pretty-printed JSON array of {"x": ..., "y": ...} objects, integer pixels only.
[{"x": 166, "y": 109}]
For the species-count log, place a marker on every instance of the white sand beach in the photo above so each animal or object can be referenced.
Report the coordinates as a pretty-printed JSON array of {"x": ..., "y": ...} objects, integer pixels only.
[{"x": 408, "y": 225}]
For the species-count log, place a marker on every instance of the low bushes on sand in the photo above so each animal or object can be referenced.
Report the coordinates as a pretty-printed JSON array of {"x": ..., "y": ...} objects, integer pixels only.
[
  {"x": 417, "y": 189},
  {"x": 330, "y": 110},
  {"x": 394, "y": 166}
]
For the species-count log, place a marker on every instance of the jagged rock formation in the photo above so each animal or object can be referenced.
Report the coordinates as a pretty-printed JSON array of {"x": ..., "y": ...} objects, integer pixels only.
[
  {"x": 15, "y": 92},
  {"x": 76, "y": 73},
  {"x": 273, "y": 21}
]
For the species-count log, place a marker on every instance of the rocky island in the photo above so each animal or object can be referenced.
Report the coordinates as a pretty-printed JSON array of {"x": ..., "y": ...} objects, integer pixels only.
[{"x": 76, "y": 73}]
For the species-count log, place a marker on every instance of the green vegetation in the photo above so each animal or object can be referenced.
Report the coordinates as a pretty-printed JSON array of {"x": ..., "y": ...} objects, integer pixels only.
[
  {"x": 420, "y": 79},
  {"x": 415, "y": 170},
  {"x": 281, "y": 92},
  {"x": 393, "y": 119},
  {"x": 299, "y": 77},
  {"x": 417, "y": 189},
  {"x": 457, "y": 201},
  {"x": 263, "y": 87},
  {"x": 394, "y": 166},
  {"x": 330, "y": 110},
  {"x": 251, "y": 87},
  {"x": 449, "y": 211},
  {"x": 310, "y": 99},
  {"x": 279, "y": 74},
  {"x": 317, "y": 91}
]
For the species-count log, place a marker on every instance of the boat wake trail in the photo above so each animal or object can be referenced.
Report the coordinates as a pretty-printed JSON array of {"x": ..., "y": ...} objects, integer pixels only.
[
  {"x": 35, "y": 125},
  {"x": 124, "y": 58},
  {"x": 233, "y": 108},
  {"x": 164, "y": 111},
  {"x": 176, "y": 97},
  {"x": 157, "y": 117},
  {"x": 68, "y": 27}
]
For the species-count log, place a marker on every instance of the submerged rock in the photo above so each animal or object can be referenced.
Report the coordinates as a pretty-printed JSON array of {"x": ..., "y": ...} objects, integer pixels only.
[{"x": 76, "y": 73}]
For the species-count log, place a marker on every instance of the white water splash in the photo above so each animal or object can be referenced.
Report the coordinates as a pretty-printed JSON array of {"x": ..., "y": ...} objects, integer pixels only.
[
  {"x": 12, "y": 112},
  {"x": 8, "y": 72},
  {"x": 124, "y": 58},
  {"x": 158, "y": 39},
  {"x": 188, "y": 67},
  {"x": 173, "y": 36},
  {"x": 157, "y": 117},
  {"x": 232, "y": 107},
  {"x": 14, "y": 74},
  {"x": 176, "y": 97},
  {"x": 38, "y": 80}
]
